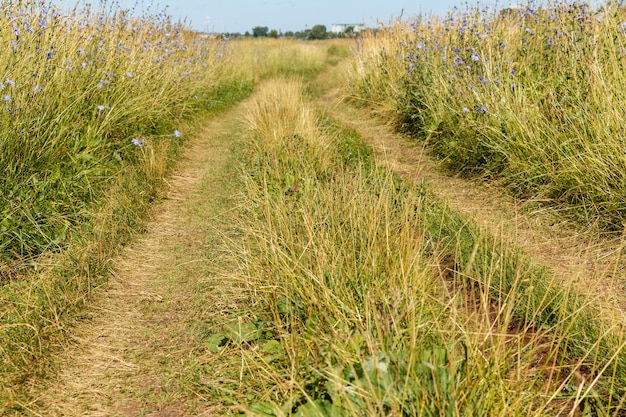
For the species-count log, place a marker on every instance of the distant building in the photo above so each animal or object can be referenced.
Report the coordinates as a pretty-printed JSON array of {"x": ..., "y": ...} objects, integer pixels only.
[{"x": 343, "y": 27}]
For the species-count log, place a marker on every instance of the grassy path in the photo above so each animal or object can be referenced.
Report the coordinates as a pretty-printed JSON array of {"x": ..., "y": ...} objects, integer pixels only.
[
  {"x": 577, "y": 255},
  {"x": 136, "y": 350},
  {"x": 142, "y": 348}
]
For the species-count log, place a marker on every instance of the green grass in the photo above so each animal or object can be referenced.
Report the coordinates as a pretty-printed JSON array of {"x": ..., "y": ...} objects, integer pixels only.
[
  {"x": 531, "y": 97},
  {"x": 74, "y": 188},
  {"x": 46, "y": 286},
  {"x": 371, "y": 297}
]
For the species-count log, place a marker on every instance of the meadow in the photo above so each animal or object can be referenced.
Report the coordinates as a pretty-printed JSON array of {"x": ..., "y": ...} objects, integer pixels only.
[
  {"x": 343, "y": 288},
  {"x": 372, "y": 297},
  {"x": 96, "y": 105},
  {"x": 531, "y": 97}
]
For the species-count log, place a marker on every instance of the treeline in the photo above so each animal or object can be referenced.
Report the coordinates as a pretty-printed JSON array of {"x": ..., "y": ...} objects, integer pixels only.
[{"x": 315, "y": 33}]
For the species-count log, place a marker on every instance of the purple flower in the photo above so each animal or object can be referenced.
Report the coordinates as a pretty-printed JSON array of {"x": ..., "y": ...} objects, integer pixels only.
[
  {"x": 129, "y": 74},
  {"x": 137, "y": 142},
  {"x": 466, "y": 110},
  {"x": 36, "y": 89},
  {"x": 475, "y": 57},
  {"x": 10, "y": 82},
  {"x": 6, "y": 98},
  {"x": 176, "y": 133},
  {"x": 481, "y": 109},
  {"x": 513, "y": 72},
  {"x": 100, "y": 107}
]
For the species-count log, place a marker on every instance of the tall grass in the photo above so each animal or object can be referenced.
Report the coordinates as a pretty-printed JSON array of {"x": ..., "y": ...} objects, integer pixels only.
[
  {"x": 532, "y": 96},
  {"x": 96, "y": 105},
  {"x": 371, "y": 298},
  {"x": 76, "y": 90},
  {"x": 261, "y": 59}
]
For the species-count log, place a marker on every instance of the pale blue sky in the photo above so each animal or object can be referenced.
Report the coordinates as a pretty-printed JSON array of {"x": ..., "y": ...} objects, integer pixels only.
[{"x": 285, "y": 15}]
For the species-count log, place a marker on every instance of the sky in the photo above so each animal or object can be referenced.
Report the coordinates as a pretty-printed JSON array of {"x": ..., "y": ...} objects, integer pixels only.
[{"x": 292, "y": 15}]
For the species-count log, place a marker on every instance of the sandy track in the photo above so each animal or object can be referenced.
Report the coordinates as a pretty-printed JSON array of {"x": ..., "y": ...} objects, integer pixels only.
[{"x": 133, "y": 350}]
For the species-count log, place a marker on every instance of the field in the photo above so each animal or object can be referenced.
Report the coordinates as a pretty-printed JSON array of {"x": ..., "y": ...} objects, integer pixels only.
[{"x": 194, "y": 226}]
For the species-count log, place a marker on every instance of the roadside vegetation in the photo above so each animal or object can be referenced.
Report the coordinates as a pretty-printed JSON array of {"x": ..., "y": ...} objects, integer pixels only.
[
  {"x": 342, "y": 288},
  {"x": 368, "y": 296},
  {"x": 96, "y": 105},
  {"x": 532, "y": 97}
]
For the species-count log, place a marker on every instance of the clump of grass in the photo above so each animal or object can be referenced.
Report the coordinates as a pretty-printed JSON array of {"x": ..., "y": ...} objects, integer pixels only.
[
  {"x": 531, "y": 96},
  {"x": 372, "y": 298}
]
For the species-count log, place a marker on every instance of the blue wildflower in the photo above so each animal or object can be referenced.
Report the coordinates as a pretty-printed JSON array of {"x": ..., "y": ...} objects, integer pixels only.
[
  {"x": 6, "y": 98},
  {"x": 137, "y": 142},
  {"x": 10, "y": 82},
  {"x": 481, "y": 109},
  {"x": 176, "y": 133},
  {"x": 475, "y": 57},
  {"x": 466, "y": 110}
]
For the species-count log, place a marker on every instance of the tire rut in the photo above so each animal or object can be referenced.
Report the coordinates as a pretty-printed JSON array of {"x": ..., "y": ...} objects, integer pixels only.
[{"x": 582, "y": 256}]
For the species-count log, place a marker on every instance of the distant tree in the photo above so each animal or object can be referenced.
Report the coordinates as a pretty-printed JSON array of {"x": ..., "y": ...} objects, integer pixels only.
[
  {"x": 247, "y": 34},
  {"x": 273, "y": 34},
  {"x": 318, "y": 32},
  {"x": 289, "y": 34},
  {"x": 305, "y": 34},
  {"x": 260, "y": 31}
]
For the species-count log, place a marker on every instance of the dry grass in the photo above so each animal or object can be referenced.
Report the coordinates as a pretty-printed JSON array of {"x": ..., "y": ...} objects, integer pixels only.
[
  {"x": 366, "y": 278},
  {"x": 139, "y": 347},
  {"x": 577, "y": 254}
]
